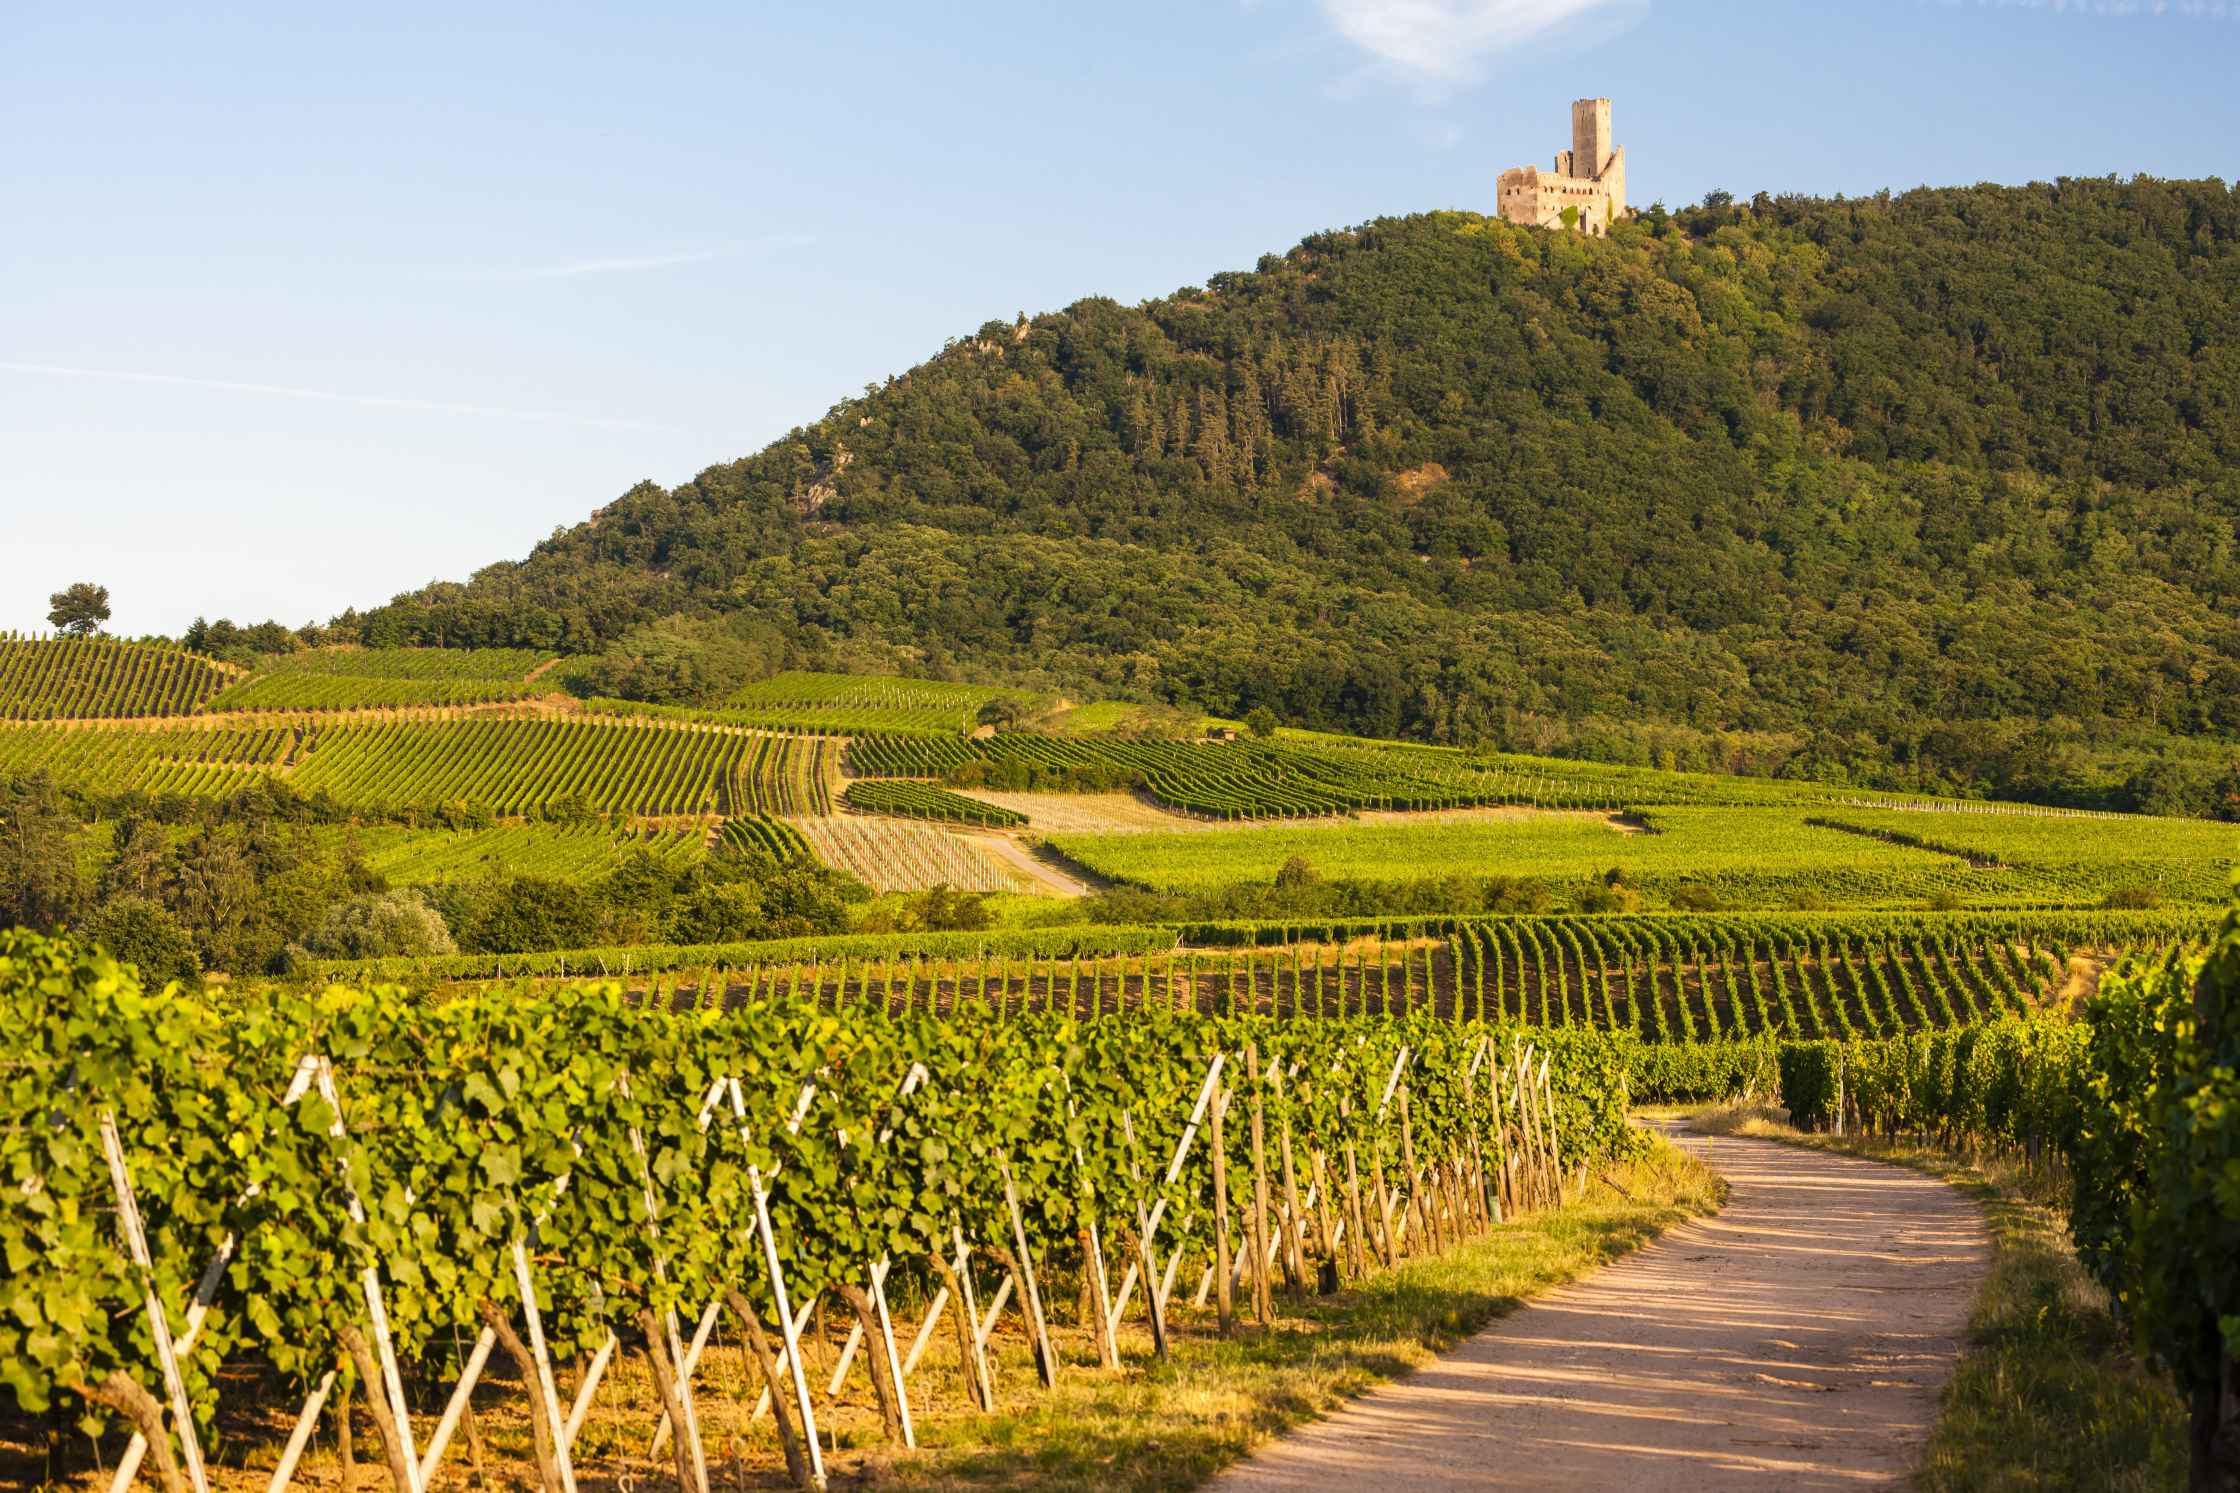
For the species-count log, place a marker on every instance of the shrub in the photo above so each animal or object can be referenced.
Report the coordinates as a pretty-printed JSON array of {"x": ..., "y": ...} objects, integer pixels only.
[
  {"x": 526, "y": 913},
  {"x": 142, "y": 933},
  {"x": 380, "y": 925},
  {"x": 1695, "y": 897},
  {"x": 1614, "y": 897},
  {"x": 2138, "y": 898}
]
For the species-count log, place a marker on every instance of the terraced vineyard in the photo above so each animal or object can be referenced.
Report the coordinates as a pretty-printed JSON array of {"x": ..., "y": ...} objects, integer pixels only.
[
  {"x": 194, "y": 760},
  {"x": 1746, "y": 857},
  {"x": 517, "y": 766},
  {"x": 838, "y": 704},
  {"x": 408, "y": 856},
  {"x": 89, "y": 678},
  {"x": 374, "y": 678},
  {"x": 2182, "y": 860},
  {"x": 875, "y": 755},
  {"x": 922, "y": 801},
  {"x": 1217, "y": 780},
  {"x": 784, "y": 774}
]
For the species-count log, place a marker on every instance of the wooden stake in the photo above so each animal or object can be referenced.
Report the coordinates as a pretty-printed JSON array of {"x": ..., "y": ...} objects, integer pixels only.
[
  {"x": 1047, "y": 1352},
  {"x": 1295, "y": 1216},
  {"x": 1224, "y": 1300},
  {"x": 1263, "y": 1308}
]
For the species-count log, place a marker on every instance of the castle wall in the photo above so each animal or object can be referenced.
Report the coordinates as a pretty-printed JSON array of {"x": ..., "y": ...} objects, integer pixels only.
[{"x": 1590, "y": 177}]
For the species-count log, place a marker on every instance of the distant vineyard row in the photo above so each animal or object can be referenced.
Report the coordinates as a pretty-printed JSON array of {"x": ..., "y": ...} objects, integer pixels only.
[
  {"x": 910, "y": 800},
  {"x": 1668, "y": 980},
  {"x": 192, "y": 760},
  {"x": 378, "y": 678},
  {"x": 1734, "y": 856},
  {"x": 1218, "y": 780},
  {"x": 89, "y": 678}
]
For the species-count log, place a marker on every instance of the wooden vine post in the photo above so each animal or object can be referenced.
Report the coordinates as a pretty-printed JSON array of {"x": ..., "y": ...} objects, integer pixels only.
[
  {"x": 1224, "y": 1286},
  {"x": 1262, "y": 1307}
]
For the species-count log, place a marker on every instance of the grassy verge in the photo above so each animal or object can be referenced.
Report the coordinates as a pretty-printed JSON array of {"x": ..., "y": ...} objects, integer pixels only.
[
  {"x": 1158, "y": 1427},
  {"x": 2050, "y": 1395}
]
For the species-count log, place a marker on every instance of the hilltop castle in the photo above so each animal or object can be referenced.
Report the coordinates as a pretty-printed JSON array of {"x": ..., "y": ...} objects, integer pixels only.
[{"x": 1587, "y": 190}]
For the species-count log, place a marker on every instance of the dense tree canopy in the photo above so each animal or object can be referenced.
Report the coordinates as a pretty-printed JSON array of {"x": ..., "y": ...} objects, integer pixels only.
[{"x": 1936, "y": 485}]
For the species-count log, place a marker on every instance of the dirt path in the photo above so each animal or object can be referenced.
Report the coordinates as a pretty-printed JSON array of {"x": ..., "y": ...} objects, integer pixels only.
[
  {"x": 1051, "y": 877},
  {"x": 1798, "y": 1340}
]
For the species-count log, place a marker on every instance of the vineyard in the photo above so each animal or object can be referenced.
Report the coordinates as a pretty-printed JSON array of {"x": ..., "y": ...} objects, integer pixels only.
[
  {"x": 1229, "y": 780},
  {"x": 1668, "y": 982},
  {"x": 703, "y": 974},
  {"x": 524, "y": 766},
  {"x": 2183, "y": 860},
  {"x": 527, "y": 1153},
  {"x": 879, "y": 756},
  {"x": 909, "y": 800},
  {"x": 1247, "y": 780},
  {"x": 785, "y": 774},
  {"x": 408, "y": 856},
  {"x": 891, "y": 857},
  {"x": 1744, "y": 857},
  {"x": 384, "y": 678},
  {"x": 198, "y": 760},
  {"x": 766, "y": 834},
  {"x": 55, "y": 679},
  {"x": 837, "y": 705}
]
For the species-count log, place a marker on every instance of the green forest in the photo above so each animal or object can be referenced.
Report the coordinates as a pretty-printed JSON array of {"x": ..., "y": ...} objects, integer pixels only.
[{"x": 1933, "y": 490}]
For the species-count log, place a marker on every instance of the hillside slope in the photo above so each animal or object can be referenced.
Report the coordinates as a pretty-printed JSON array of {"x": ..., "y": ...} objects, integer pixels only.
[{"x": 1937, "y": 488}]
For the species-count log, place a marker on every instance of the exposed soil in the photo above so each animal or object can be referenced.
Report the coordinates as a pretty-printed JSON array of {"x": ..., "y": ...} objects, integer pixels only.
[
  {"x": 1799, "y": 1339},
  {"x": 1050, "y": 879}
]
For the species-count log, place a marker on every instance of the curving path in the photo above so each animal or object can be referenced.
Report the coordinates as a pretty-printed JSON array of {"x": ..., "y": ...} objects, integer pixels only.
[{"x": 1797, "y": 1340}]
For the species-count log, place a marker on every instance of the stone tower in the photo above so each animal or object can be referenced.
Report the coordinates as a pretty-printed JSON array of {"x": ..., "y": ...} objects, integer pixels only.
[{"x": 1585, "y": 192}]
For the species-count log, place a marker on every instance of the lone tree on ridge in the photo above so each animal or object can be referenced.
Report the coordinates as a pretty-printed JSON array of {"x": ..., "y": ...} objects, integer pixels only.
[{"x": 81, "y": 610}]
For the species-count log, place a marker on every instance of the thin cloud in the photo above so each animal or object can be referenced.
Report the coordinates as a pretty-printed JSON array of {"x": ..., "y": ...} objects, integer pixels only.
[
  {"x": 331, "y": 398},
  {"x": 639, "y": 262},
  {"x": 1444, "y": 44},
  {"x": 2221, "y": 9}
]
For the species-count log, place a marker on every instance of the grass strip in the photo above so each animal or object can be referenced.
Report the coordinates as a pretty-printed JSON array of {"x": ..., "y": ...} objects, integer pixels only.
[
  {"x": 1157, "y": 1427},
  {"x": 2050, "y": 1394}
]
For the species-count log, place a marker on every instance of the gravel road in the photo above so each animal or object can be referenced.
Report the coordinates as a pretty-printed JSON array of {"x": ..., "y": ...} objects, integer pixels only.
[{"x": 1798, "y": 1340}]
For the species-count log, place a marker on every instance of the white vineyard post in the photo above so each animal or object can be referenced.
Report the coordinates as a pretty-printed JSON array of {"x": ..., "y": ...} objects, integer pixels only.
[
  {"x": 136, "y": 1241},
  {"x": 457, "y": 1405},
  {"x": 301, "y": 1437},
  {"x": 545, "y": 1385},
  {"x": 778, "y": 1284},
  {"x": 384, "y": 1344}
]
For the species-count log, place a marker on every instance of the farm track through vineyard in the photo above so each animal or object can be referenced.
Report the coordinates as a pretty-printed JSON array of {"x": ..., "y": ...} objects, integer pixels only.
[{"x": 1796, "y": 1340}]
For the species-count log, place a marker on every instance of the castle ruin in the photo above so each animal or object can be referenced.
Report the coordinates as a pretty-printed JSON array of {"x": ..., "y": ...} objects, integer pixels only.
[{"x": 1587, "y": 190}]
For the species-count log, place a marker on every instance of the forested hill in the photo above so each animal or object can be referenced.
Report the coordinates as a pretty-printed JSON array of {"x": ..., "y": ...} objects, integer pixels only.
[{"x": 1939, "y": 486}]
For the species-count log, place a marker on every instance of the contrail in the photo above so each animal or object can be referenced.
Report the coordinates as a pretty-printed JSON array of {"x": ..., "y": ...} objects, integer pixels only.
[{"x": 332, "y": 398}]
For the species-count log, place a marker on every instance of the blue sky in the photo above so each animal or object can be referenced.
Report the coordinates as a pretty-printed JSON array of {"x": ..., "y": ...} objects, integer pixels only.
[{"x": 304, "y": 305}]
